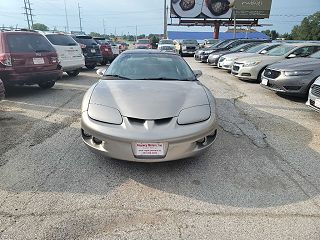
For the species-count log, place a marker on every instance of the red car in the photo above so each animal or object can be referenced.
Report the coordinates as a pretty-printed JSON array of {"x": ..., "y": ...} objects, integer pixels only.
[
  {"x": 143, "y": 44},
  {"x": 27, "y": 58},
  {"x": 2, "y": 91},
  {"x": 105, "y": 49}
]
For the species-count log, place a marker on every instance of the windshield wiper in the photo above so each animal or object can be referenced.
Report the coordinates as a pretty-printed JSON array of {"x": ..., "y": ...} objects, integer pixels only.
[
  {"x": 166, "y": 79},
  {"x": 116, "y": 76}
]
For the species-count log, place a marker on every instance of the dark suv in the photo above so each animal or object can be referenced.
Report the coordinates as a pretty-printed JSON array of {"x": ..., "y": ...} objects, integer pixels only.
[
  {"x": 26, "y": 58},
  {"x": 90, "y": 50}
]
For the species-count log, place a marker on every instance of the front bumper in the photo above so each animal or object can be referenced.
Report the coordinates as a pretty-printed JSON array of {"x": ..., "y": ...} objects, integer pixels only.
[
  {"x": 93, "y": 60},
  {"x": 314, "y": 101},
  {"x": 246, "y": 73},
  {"x": 226, "y": 64},
  {"x": 213, "y": 61},
  {"x": 118, "y": 141},
  {"x": 295, "y": 85}
]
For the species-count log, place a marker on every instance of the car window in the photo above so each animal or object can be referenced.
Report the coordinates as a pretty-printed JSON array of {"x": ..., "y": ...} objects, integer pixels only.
[
  {"x": 189, "y": 42},
  {"x": 280, "y": 50},
  {"x": 256, "y": 49},
  {"x": 143, "y": 41},
  {"x": 28, "y": 43},
  {"x": 316, "y": 55},
  {"x": 305, "y": 51},
  {"x": 150, "y": 66},
  {"x": 61, "y": 40}
]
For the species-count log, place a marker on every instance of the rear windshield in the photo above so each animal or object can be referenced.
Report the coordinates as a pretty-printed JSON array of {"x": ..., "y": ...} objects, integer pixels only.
[
  {"x": 166, "y": 42},
  {"x": 101, "y": 41},
  {"x": 28, "y": 43},
  {"x": 86, "y": 41},
  {"x": 143, "y": 41},
  {"x": 61, "y": 40},
  {"x": 189, "y": 42}
]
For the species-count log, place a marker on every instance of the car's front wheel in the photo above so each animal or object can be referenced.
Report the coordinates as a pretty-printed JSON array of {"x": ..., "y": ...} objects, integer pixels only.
[
  {"x": 91, "y": 67},
  {"x": 47, "y": 85},
  {"x": 73, "y": 73}
]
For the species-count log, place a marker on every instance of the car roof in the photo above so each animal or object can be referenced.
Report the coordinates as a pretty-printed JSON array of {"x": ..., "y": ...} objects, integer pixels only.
[
  {"x": 302, "y": 44},
  {"x": 146, "y": 51}
]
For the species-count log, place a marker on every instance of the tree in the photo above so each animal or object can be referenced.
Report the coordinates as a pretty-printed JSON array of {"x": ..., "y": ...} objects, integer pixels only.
[
  {"x": 273, "y": 34},
  {"x": 40, "y": 27},
  {"x": 308, "y": 29},
  {"x": 95, "y": 34},
  {"x": 154, "y": 41}
]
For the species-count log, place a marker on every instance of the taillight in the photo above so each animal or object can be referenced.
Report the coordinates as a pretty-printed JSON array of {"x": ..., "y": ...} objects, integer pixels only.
[
  {"x": 5, "y": 60},
  {"x": 82, "y": 45}
]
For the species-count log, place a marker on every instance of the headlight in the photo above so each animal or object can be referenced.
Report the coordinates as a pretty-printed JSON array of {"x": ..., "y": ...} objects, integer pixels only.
[
  {"x": 104, "y": 114},
  {"x": 194, "y": 114},
  {"x": 184, "y": 47},
  {"x": 297, "y": 73},
  {"x": 215, "y": 56},
  {"x": 251, "y": 64}
]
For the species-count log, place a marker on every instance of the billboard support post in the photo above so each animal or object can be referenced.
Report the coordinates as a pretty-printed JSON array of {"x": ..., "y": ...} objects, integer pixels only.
[
  {"x": 165, "y": 20},
  {"x": 235, "y": 23},
  {"x": 216, "y": 30}
]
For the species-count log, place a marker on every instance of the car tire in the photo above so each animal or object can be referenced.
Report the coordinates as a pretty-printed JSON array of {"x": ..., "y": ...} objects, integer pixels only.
[
  {"x": 91, "y": 67},
  {"x": 47, "y": 85},
  {"x": 73, "y": 73},
  {"x": 104, "y": 62},
  {"x": 260, "y": 74}
]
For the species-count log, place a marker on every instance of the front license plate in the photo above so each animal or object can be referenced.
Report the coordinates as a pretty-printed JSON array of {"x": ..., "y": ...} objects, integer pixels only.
[
  {"x": 317, "y": 103},
  {"x": 264, "y": 82},
  {"x": 149, "y": 149},
  {"x": 38, "y": 61},
  {"x": 93, "y": 50}
]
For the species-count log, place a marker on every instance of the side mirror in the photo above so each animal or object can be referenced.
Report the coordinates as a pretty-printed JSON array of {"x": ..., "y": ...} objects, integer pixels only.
[
  {"x": 197, "y": 73},
  {"x": 263, "y": 52},
  {"x": 292, "y": 56},
  {"x": 101, "y": 71}
]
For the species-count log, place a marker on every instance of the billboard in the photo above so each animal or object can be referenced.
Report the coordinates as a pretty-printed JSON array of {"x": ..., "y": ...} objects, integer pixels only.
[{"x": 220, "y": 9}]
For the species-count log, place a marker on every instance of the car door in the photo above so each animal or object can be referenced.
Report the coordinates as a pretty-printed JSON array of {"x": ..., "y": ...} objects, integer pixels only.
[{"x": 305, "y": 51}]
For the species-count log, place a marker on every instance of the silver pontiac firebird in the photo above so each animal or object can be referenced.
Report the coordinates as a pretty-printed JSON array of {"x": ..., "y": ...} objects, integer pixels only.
[{"x": 148, "y": 107}]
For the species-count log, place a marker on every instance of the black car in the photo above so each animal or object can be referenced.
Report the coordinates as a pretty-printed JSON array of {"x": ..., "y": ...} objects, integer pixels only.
[
  {"x": 227, "y": 45},
  {"x": 90, "y": 50}
]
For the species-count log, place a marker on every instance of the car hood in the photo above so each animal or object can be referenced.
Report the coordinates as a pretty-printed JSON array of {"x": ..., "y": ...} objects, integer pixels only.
[
  {"x": 165, "y": 45},
  {"x": 145, "y": 99},
  {"x": 263, "y": 58},
  {"x": 233, "y": 56},
  {"x": 297, "y": 64}
]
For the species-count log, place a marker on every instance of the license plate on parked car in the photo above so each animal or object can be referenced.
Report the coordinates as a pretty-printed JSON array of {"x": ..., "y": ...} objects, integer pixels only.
[
  {"x": 264, "y": 82},
  {"x": 317, "y": 103},
  {"x": 38, "y": 61},
  {"x": 149, "y": 149}
]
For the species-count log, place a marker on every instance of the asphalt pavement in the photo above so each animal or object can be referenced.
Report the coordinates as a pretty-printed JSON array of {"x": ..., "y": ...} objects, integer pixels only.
[{"x": 260, "y": 180}]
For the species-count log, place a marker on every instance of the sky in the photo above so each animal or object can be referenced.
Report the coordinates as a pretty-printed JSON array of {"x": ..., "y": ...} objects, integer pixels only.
[{"x": 122, "y": 16}]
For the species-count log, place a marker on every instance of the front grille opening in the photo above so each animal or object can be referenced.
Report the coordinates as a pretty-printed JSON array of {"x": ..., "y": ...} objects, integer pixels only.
[
  {"x": 293, "y": 88},
  {"x": 136, "y": 120},
  {"x": 162, "y": 121}
]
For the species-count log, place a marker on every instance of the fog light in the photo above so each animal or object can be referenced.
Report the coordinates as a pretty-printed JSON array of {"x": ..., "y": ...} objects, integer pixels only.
[
  {"x": 85, "y": 134},
  {"x": 97, "y": 141}
]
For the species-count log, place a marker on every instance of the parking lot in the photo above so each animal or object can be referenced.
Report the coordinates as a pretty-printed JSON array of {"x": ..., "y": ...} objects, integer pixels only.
[{"x": 260, "y": 180}]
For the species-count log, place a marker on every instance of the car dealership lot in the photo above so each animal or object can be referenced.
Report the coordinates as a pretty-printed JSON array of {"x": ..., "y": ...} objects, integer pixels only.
[{"x": 260, "y": 180}]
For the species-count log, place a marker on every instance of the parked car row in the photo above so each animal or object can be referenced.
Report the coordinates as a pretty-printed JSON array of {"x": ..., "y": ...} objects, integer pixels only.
[{"x": 287, "y": 68}]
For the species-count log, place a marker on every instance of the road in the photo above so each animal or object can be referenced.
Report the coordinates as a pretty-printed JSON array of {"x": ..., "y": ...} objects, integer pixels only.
[{"x": 260, "y": 180}]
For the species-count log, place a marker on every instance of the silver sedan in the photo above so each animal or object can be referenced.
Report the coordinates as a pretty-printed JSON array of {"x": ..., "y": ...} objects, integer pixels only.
[{"x": 149, "y": 107}]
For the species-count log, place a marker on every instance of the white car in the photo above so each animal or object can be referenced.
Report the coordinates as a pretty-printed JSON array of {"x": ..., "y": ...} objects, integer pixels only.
[
  {"x": 226, "y": 61},
  {"x": 314, "y": 96},
  {"x": 165, "y": 42},
  {"x": 69, "y": 52},
  {"x": 251, "y": 68}
]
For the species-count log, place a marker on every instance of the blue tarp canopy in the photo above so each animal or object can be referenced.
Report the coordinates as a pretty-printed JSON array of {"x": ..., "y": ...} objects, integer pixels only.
[{"x": 209, "y": 35}]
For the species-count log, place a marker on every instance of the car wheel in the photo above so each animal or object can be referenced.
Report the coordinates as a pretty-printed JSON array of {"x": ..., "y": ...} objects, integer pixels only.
[
  {"x": 47, "y": 85},
  {"x": 73, "y": 73},
  {"x": 91, "y": 67},
  {"x": 260, "y": 74}
]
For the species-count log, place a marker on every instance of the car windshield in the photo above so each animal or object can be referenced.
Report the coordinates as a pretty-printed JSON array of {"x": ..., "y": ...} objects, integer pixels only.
[
  {"x": 280, "y": 51},
  {"x": 61, "y": 40},
  {"x": 237, "y": 48},
  {"x": 146, "y": 66},
  {"x": 315, "y": 55},
  {"x": 224, "y": 44},
  {"x": 257, "y": 49},
  {"x": 166, "y": 42},
  {"x": 143, "y": 41},
  {"x": 189, "y": 42},
  {"x": 212, "y": 41},
  {"x": 28, "y": 43}
]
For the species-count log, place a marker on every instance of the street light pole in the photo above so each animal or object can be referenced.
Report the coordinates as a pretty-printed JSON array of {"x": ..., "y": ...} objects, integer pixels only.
[
  {"x": 165, "y": 19},
  {"x": 65, "y": 10}
]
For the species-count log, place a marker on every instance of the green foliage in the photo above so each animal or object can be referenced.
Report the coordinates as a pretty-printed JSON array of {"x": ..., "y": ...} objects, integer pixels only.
[
  {"x": 95, "y": 34},
  {"x": 309, "y": 29},
  {"x": 40, "y": 27},
  {"x": 154, "y": 40},
  {"x": 273, "y": 34}
]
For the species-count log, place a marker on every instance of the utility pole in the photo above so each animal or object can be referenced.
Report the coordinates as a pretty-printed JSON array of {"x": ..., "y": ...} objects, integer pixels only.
[
  {"x": 80, "y": 19},
  {"x": 30, "y": 12},
  {"x": 104, "y": 27},
  {"x": 26, "y": 13},
  {"x": 235, "y": 23},
  {"x": 165, "y": 19},
  {"x": 67, "y": 21},
  {"x": 136, "y": 33}
]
